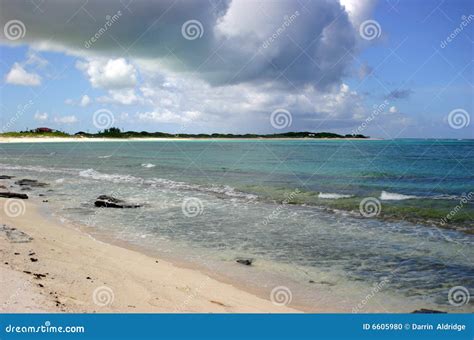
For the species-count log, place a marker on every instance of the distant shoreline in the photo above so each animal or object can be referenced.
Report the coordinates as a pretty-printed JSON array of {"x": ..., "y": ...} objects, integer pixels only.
[{"x": 48, "y": 139}]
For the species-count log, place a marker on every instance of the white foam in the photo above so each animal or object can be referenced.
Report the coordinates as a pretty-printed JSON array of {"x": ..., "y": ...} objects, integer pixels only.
[
  {"x": 391, "y": 196},
  {"x": 148, "y": 165},
  {"x": 91, "y": 173},
  {"x": 108, "y": 156},
  {"x": 332, "y": 196}
]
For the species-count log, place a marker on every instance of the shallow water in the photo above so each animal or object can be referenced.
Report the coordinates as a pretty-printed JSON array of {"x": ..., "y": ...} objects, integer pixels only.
[{"x": 208, "y": 202}]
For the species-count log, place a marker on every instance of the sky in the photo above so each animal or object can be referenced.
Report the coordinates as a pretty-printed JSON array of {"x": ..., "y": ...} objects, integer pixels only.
[{"x": 386, "y": 68}]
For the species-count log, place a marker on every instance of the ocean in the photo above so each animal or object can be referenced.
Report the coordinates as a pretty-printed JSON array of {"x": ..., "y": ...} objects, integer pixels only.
[{"x": 343, "y": 225}]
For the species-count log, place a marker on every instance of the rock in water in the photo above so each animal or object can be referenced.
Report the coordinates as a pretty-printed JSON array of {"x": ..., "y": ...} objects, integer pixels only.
[
  {"x": 6, "y": 177},
  {"x": 13, "y": 195},
  {"x": 31, "y": 183},
  {"x": 246, "y": 262},
  {"x": 428, "y": 311},
  {"x": 104, "y": 201}
]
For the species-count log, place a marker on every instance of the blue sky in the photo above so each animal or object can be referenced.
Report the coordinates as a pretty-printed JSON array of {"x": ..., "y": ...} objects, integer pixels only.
[{"x": 244, "y": 64}]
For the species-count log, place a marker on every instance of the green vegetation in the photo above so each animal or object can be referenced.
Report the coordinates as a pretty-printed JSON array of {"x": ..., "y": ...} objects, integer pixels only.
[
  {"x": 114, "y": 132},
  {"x": 33, "y": 133}
]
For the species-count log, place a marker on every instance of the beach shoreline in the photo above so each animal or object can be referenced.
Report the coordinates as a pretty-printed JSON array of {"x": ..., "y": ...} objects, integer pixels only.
[
  {"x": 7, "y": 140},
  {"x": 63, "y": 269}
]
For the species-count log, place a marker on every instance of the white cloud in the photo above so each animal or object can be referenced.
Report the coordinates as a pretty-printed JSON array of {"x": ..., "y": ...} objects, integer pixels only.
[
  {"x": 393, "y": 109},
  {"x": 167, "y": 116},
  {"x": 19, "y": 76},
  {"x": 85, "y": 100},
  {"x": 123, "y": 97},
  {"x": 41, "y": 116},
  {"x": 66, "y": 119},
  {"x": 109, "y": 74},
  {"x": 69, "y": 101}
]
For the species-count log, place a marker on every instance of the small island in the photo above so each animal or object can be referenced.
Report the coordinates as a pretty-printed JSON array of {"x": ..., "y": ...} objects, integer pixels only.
[{"x": 114, "y": 132}]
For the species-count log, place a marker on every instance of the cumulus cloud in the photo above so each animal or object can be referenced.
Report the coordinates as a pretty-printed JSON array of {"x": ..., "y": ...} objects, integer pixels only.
[
  {"x": 41, "y": 116},
  {"x": 393, "y": 109},
  {"x": 109, "y": 74},
  {"x": 19, "y": 76},
  {"x": 85, "y": 100},
  {"x": 66, "y": 119},
  {"x": 249, "y": 58},
  {"x": 313, "y": 48}
]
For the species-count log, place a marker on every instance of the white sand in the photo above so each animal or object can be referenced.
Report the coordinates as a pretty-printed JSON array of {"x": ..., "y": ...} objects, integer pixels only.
[{"x": 85, "y": 275}]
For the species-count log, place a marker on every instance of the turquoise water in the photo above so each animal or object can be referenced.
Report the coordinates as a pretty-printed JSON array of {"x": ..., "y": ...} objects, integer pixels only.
[{"x": 293, "y": 206}]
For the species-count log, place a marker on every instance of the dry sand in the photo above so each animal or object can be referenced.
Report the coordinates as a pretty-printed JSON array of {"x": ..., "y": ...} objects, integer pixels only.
[{"x": 63, "y": 269}]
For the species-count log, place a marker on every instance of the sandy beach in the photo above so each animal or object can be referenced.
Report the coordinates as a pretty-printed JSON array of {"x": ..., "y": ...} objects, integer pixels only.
[{"x": 47, "y": 266}]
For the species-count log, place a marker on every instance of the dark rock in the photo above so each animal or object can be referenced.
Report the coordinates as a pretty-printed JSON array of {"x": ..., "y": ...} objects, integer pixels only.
[
  {"x": 104, "y": 201},
  {"x": 428, "y": 311},
  {"x": 39, "y": 276},
  {"x": 31, "y": 183},
  {"x": 45, "y": 201},
  {"x": 9, "y": 194},
  {"x": 311, "y": 281},
  {"x": 41, "y": 195},
  {"x": 32, "y": 259},
  {"x": 6, "y": 177},
  {"x": 25, "y": 188},
  {"x": 246, "y": 262}
]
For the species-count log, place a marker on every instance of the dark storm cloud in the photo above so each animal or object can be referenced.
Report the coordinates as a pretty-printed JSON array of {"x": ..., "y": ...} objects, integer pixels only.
[{"x": 399, "y": 94}]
